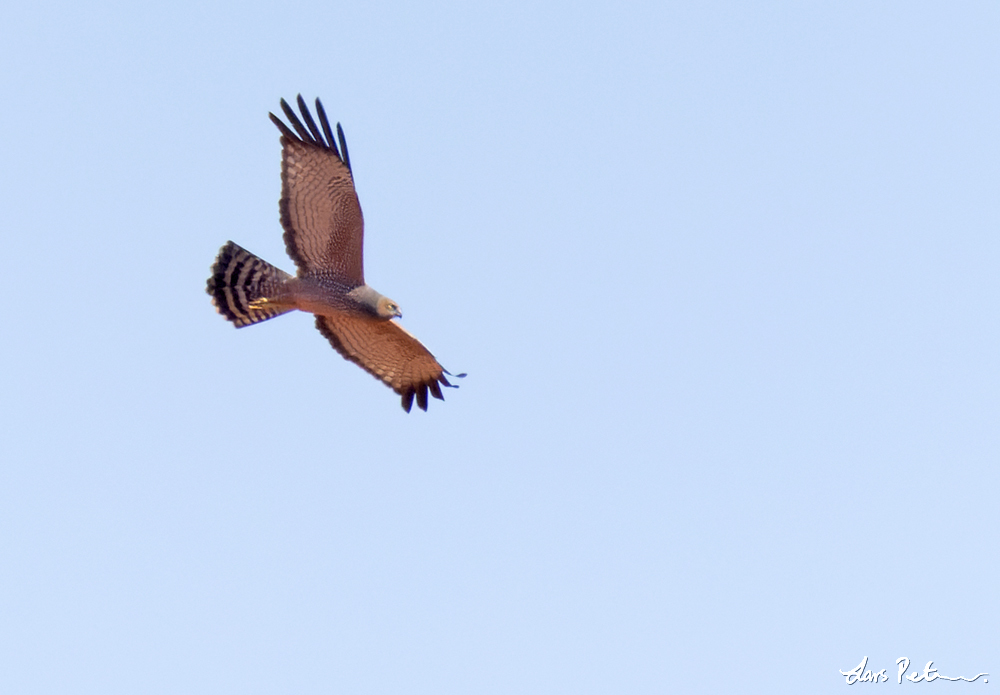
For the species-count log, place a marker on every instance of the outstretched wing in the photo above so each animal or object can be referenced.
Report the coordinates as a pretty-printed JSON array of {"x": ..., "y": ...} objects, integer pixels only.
[
  {"x": 324, "y": 229},
  {"x": 387, "y": 352}
]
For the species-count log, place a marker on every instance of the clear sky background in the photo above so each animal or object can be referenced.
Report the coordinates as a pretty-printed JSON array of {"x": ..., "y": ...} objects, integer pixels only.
[{"x": 723, "y": 276}]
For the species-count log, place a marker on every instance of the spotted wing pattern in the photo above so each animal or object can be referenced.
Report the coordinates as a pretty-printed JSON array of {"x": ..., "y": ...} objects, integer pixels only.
[
  {"x": 389, "y": 353},
  {"x": 324, "y": 228}
]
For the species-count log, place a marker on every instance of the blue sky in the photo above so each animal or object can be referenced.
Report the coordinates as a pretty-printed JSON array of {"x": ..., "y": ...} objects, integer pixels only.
[{"x": 723, "y": 276}]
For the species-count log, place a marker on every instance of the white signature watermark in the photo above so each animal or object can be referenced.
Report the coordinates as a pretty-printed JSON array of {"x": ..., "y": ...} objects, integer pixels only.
[{"x": 859, "y": 674}]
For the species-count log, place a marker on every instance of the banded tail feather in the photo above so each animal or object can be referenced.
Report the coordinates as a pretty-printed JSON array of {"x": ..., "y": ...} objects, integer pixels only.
[{"x": 239, "y": 278}]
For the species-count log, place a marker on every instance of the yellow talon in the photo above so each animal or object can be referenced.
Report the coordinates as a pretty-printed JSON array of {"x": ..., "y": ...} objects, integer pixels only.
[{"x": 258, "y": 304}]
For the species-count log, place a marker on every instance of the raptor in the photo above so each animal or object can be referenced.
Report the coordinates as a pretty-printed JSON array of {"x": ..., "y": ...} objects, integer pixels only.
[{"x": 324, "y": 235}]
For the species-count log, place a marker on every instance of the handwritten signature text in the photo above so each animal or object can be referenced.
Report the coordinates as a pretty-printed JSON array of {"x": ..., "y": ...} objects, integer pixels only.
[{"x": 859, "y": 674}]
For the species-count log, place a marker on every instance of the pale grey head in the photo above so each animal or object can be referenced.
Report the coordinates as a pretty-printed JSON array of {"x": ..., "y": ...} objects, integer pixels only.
[
  {"x": 387, "y": 309},
  {"x": 375, "y": 303}
]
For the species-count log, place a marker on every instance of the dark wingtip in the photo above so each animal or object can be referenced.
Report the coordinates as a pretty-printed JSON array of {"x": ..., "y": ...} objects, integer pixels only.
[
  {"x": 435, "y": 390},
  {"x": 308, "y": 131},
  {"x": 304, "y": 134},
  {"x": 343, "y": 148},
  {"x": 325, "y": 122},
  {"x": 310, "y": 123},
  {"x": 448, "y": 383},
  {"x": 286, "y": 109},
  {"x": 281, "y": 126},
  {"x": 420, "y": 393}
]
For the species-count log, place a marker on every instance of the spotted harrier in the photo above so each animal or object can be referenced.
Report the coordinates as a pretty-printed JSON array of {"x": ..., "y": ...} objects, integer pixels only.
[{"x": 324, "y": 235}]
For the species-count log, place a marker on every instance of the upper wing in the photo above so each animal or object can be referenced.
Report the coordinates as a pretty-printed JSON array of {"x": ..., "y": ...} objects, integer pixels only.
[
  {"x": 387, "y": 352},
  {"x": 324, "y": 229}
]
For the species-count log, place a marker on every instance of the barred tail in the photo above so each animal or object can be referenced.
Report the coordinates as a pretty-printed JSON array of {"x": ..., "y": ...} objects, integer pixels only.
[{"x": 239, "y": 278}]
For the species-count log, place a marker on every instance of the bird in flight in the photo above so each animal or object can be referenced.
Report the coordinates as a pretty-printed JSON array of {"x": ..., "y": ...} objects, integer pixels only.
[{"x": 324, "y": 235}]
